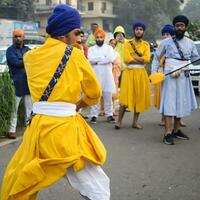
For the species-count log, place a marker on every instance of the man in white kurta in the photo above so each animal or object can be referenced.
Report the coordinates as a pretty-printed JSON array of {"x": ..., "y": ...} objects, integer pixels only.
[{"x": 101, "y": 57}]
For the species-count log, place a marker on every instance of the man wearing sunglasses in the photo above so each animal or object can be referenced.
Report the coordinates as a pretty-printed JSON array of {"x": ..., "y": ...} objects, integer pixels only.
[
  {"x": 58, "y": 141},
  {"x": 15, "y": 62}
]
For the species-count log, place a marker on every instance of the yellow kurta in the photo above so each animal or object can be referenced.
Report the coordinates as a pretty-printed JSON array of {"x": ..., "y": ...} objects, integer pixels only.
[
  {"x": 120, "y": 49},
  {"x": 52, "y": 144},
  {"x": 135, "y": 85}
]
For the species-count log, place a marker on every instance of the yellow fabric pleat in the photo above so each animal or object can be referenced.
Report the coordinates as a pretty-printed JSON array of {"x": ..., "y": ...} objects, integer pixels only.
[
  {"x": 157, "y": 95},
  {"x": 52, "y": 144},
  {"x": 135, "y": 90},
  {"x": 158, "y": 86}
]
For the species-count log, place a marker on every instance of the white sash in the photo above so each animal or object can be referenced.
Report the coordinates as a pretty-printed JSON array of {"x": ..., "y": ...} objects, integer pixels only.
[
  {"x": 135, "y": 66},
  {"x": 56, "y": 109},
  {"x": 172, "y": 64}
]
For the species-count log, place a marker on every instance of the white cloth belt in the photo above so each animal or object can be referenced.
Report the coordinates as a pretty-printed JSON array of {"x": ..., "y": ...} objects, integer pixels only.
[
  {"x": 135, "y": 66},
  {"x": 172, "y": 64},
  {"x": 56, "y": 109}
]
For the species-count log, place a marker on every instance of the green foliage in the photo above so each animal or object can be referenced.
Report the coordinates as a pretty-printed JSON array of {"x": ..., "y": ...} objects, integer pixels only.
[
  {"x": 154, "y": 13},
  {"x": 6, "y": 2},
  {"x": 7, "y": 104},
  {"x": 192, "y": 9},
  {"x": 7, "y": 101},
  {"x": 194, "y": 30},
  {"x": 25, "y": 8}
]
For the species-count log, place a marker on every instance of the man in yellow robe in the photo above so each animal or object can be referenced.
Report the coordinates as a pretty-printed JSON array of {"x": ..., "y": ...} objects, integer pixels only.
[
  {"x": 135, "y": 86},
  {"x": 58, "y": 140}
]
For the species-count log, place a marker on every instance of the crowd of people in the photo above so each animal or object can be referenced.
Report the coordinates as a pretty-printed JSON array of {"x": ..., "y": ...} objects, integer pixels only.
[{"x": 68, "y": 73}]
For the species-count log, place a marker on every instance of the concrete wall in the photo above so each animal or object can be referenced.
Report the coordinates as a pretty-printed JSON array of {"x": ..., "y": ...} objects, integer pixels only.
[{"x": 97, "y": 7}]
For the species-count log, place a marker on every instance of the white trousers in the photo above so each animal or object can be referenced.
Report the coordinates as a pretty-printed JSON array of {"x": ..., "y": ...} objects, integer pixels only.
[
  {"x": 28, "y": 109},
  {"x": 107, "y": 98},
  {"x": 91, "y": 182}
]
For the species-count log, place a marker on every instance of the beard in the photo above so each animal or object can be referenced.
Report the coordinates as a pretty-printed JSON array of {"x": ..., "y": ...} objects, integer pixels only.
[
  {"x": 99, "y": 42},
  {"x": 179, "y": 34},
  {"x": 139, "y": 37}
]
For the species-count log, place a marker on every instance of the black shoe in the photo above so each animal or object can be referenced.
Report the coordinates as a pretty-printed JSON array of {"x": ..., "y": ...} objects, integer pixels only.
[
  {"x": 168, "y": 139},
  {"x": 180, "y": 135},
  {"x": 93, "y": 120},
  {"x": 111, "y": 119}
]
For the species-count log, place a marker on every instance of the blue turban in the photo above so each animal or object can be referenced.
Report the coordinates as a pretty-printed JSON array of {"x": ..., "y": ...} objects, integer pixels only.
[
  {"x": 139, "y": 24},
  {"x": 181, "y": 18},
  {"x": 168, "y": 28},
  {"x": 63, "y": 20}
]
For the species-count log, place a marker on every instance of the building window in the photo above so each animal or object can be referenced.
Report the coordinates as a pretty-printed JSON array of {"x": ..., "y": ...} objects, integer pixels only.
[
  {"x": 39, "y": 24},
  {"x": 79, "y": 5},
  {"x": 90, "y": 6},
  {"x": 103, "y": 8},
  {"x": 48, "y": 2}
]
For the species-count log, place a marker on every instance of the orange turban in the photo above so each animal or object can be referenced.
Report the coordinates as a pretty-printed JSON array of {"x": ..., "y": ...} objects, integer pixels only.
[
  {"x": 101, "y": 32},
  {"x": 18, "y": 32}
]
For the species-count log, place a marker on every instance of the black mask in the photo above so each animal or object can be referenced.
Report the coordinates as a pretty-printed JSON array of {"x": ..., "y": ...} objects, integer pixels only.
[
  {"x": 179, "y": 34},
  {"x": 99, "y": 42}
]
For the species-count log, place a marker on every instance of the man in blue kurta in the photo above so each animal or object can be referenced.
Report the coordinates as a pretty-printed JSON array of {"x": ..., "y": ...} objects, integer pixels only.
[
  {"x": 15, "y": 62},
  {"x": 177, "y": 98}
]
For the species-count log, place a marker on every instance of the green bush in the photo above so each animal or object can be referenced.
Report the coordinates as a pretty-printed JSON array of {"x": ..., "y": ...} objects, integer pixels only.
[
  {"x": 7, "y": 104},
  {"x": 7, "y": 101}
]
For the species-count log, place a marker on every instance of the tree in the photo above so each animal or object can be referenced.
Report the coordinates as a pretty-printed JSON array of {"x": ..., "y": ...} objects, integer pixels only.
[
  {"x": 194, "y": 30},
  {"x": 191, "y": 9},
  {"x": 5, "y": 2},
  {"x": 25, "y": 8},
  {"x": 154, "y": 13}
]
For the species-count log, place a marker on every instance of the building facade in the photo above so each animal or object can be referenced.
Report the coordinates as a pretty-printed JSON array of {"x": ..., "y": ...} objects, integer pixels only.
[{"x": 92, "y": 11}]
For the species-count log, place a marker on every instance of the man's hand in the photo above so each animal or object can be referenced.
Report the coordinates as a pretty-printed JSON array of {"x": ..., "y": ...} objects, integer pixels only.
[{"x": 80, "y": 104}]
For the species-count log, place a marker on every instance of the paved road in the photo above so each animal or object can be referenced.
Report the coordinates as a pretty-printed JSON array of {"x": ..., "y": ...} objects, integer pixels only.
[{"x": 140, "y": 166}]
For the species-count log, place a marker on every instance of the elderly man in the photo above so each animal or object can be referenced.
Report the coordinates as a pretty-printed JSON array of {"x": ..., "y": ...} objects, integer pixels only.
[
  {"x": 177, "y": 98},
  {"x": 135, "y": 86},
  {"x": 101, "y": 57},
  {"x": 58, "y": 140},
  {"x": 14, "y": 55}
]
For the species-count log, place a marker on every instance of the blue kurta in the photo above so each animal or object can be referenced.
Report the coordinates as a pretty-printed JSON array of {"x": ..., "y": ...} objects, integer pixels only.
[
  {"x": 177, "y": 98},
  {"x": 14, "y": 56}
]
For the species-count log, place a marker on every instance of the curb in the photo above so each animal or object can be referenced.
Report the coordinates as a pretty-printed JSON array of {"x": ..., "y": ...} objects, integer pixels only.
[{"x": 10, "y": 141}]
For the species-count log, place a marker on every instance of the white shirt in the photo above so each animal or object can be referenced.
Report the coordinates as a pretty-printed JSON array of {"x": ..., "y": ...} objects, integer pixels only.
[{"x": 101, "y": 59}]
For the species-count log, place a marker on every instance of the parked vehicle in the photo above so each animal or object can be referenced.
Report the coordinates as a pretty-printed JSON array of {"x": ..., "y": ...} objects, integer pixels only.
[
  {"x": 3, "y": 62},
  {"x": 30, "y": 28},
  {"x": 195, "y": 71},
  {"x": 3, "y": 65}
]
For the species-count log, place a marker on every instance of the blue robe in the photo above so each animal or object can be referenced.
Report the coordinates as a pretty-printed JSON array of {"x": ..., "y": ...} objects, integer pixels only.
[
  {"x": 14, "y": 56},
  {"x": 177, "y": 97}
]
